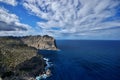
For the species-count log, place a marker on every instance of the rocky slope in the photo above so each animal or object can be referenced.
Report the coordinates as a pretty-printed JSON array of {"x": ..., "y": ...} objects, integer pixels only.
[
  {"x": 40, "y": 42},
  {"x": 19, "y": 59},
  {"x": 13, "y": 51}
]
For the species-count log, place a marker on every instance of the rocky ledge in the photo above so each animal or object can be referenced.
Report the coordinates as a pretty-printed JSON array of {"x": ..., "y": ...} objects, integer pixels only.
[{"x": 19, "y": 59}]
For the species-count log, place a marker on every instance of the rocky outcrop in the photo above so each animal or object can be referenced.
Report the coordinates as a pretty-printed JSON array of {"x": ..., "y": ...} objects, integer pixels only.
[
  {"x": 40, "y": 42},
  {"x": 13, "y": 52},
  {"x": 26, "y": 70},
  {"x": 19, "y": 59}
]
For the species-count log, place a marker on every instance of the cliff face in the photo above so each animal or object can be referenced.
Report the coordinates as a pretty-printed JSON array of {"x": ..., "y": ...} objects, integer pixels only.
[
  {"x": 15, "y": 56},
  {"x": 18, "y": 56},
  {"x": 40, "y": 42}
]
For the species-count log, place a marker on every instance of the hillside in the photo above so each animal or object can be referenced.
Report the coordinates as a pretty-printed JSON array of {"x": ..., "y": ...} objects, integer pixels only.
[{"x": 19, "y": 58}]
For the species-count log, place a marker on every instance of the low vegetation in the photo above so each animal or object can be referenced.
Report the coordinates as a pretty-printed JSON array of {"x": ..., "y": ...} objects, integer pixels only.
[{"x": 14, "y": 52}]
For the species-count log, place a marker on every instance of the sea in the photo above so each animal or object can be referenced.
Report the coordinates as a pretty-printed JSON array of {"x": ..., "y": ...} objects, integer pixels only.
[{"x": 84, "y": 60}]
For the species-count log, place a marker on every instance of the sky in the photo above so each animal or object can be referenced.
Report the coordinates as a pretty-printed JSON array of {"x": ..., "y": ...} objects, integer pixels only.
[{"x": 62, "y": 19}]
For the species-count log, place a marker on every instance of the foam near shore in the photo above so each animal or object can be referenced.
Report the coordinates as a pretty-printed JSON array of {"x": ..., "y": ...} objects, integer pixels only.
[{"x": 47, "y": 72}]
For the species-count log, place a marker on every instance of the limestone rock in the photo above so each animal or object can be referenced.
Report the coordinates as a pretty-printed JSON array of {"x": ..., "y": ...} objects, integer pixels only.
[{"x": 40, "y": 42}]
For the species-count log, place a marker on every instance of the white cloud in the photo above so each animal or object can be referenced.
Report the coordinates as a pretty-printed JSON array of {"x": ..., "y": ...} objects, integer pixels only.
[
  {"x": 10, "y": 2},
  {"x": 7, "y": 17},
  {"x": 19, "y": 33},
  {"x": 74, "y": 16},
  {"x": 11, "y": 25},
  {"x": 9, "y": 21}
]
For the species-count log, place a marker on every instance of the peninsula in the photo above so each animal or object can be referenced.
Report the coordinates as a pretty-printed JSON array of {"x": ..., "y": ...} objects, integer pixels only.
[{"x": 18, "y": 56}]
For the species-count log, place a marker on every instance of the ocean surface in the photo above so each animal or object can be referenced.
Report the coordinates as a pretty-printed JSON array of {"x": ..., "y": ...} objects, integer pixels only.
[{"x": 85, "y": 60}]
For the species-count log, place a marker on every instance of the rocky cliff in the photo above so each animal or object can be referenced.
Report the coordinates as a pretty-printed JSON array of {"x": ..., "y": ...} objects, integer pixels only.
[
  {"x": 18, "y": 61},
  {"x": 13, "y": 51},
  {"x": 18, "y": 56},
  {"x": 40, "y": 42}
]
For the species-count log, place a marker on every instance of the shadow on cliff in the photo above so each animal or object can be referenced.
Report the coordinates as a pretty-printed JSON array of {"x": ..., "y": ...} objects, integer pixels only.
[{"x": 29, "y": 68}]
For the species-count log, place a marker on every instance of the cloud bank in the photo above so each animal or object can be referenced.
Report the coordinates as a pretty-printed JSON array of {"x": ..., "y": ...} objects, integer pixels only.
[
  {"x": 11, "y": 25},
  {"x": 10, "y": 22},
  {"x": 10, "y": 2},
  {"x": 76, "y": 17}
]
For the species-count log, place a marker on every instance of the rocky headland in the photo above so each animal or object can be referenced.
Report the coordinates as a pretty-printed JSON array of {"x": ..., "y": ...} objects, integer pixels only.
[
  {"x": 40, "y": 42},
  {"x": 19, "y": 59}
]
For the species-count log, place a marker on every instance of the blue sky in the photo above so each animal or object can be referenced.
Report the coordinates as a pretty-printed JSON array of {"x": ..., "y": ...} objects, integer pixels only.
[{"x": 62, "y": 19}]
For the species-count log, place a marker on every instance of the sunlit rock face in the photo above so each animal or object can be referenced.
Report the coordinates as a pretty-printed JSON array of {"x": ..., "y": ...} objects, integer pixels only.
[{"x": 40, "y": 42}]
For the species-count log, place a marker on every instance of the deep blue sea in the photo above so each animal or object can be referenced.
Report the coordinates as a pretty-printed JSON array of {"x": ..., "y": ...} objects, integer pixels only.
[{"x": 85, "y": 60}]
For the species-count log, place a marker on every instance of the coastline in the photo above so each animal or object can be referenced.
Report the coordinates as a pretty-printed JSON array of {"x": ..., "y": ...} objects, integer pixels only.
[
  {"x": 31, "y": 64},
  {"x": 46, "y": 69}
]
